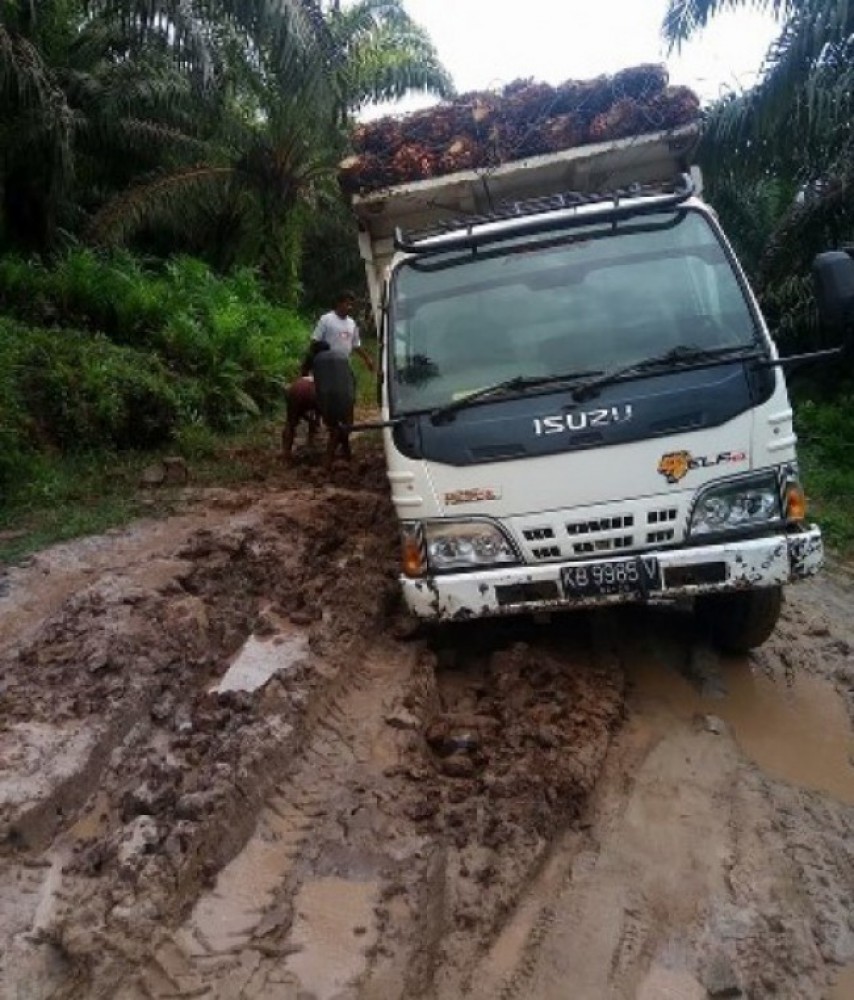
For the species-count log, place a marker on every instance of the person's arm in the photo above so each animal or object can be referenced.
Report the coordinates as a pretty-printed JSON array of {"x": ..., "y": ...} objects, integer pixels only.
[
  {"x": 319, "y": 330},
  {"x": 358, "y": 349}
]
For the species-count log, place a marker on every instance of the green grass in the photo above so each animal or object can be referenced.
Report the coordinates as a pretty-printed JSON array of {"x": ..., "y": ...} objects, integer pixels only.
[
  {"x": 67, "y": 497},
  {"x": 70, "y": 496},
  {"x": 826, "y": 453},
  {"x": 830, "y": 491},
  {"x": 86, "y": 494},
  {"x": 366, "y": 381}
]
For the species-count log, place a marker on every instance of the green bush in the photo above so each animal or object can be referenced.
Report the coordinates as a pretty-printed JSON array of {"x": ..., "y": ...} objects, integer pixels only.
[
  {"x": 195, "y": 441},
  {"x": 98, "y": 351},
  {"x": 827, "y": 427},
  {"x": 68, "y": 391},
  {"x": 827, "y": 458},
  {"x": 220, "y": 330}
]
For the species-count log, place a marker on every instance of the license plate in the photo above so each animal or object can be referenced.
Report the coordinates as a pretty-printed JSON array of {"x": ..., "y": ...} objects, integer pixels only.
[{"x": 638, "y": 575}]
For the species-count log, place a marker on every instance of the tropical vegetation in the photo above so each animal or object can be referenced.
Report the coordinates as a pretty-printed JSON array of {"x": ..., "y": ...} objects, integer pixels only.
[
  {"x": 168, "y": 211},
  {"x": 168, "y": 206},
  {"x": 779, "y": 162},
  {"x": 779, "y": 158}
]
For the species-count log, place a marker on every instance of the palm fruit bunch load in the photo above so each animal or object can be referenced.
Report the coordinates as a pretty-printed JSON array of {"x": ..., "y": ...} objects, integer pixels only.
[{"x": 487, "y": 128}]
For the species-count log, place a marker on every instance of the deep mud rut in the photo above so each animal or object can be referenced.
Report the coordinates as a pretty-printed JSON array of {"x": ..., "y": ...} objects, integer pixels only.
[{"x": 230, "y": 768}]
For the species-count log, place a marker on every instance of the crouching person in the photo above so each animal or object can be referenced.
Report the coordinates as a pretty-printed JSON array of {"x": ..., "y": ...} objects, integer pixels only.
[
  {"x": 335, "y": 392},
  {"x": 301, "y": 402}
]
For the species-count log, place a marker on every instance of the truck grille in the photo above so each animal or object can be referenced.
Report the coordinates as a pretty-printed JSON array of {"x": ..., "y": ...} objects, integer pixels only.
[
  {"x": 601, "y": 530},
  {"x": 546, "y": 552},
  {"x": 603, "y": 545},
  {"x": 538, "y": 534},
  {"x": 601, "y": 524}
]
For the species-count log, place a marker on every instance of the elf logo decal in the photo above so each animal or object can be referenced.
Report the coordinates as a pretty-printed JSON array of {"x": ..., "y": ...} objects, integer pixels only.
[
  {"x": 476, "y": 495},
  {"x": 675, "y": 465},
  {"x": 575, "y": 422}
]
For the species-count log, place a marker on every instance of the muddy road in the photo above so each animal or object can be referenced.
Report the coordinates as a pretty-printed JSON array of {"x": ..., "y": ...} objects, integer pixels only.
[{"x": 230, "y": 768}]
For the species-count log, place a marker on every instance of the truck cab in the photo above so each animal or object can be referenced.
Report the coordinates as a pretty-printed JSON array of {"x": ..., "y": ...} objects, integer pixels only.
[{"x": 583, "y": 406}]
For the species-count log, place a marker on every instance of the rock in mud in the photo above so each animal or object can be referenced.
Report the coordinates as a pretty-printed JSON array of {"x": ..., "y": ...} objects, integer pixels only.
[
  {"x": 453, "y": 733},
  {"x": 714, "y": 724}
]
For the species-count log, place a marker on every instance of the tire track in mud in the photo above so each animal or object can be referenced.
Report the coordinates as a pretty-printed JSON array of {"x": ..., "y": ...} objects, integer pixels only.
[
  {"x": 264, "y": 925},
  {"x": 467, "y": 812},
  {"x": 127, "y": 649},
  {"x": 695, "y": 871},
  {"x": 559, "y": 695},
  {"x": 348, "y": 829},
  {"x": 202, "y": 849}
]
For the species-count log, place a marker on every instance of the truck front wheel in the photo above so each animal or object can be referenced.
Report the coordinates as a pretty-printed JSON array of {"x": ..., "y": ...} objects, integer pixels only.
[{"x": 740, "y": 621}]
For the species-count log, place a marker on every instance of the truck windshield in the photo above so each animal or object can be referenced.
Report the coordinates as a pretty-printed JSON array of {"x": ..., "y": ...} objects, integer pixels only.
[{"x": 589, "y": 301}]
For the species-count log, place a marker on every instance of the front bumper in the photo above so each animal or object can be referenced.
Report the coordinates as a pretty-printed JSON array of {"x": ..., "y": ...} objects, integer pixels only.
[{"x": 736, "y": 565}]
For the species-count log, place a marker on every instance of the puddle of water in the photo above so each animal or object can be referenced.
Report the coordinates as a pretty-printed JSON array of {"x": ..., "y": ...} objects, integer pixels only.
[
  {"x": 843, "y": 988},
  {"x": 259, "y": 660},
  {"x": 799, "y": 733},
  {"x": 333, "y": 926}
]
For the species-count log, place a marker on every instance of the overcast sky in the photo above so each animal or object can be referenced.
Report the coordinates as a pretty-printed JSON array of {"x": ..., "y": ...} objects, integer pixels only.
[{"x": 486, "y": 43}]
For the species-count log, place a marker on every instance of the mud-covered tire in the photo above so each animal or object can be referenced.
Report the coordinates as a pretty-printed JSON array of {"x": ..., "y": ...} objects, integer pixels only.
[{"x": 742, "y": 621}]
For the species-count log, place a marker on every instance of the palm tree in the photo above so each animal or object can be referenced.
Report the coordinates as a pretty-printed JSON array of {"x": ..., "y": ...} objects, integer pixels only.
[
  {"x": 383, "y": 54},
  {"x": 36, "y": 123},
  {"x": 807, "y": 80},
  {"x": 83, "y": 109},
  {"x": 793, "y": 132},
  {"x": 281, "y": 136}
]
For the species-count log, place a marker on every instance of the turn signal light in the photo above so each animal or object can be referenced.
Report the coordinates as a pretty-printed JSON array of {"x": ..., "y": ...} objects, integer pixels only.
[
  {"x": 413, "y": 563},
  {"x": 796, "y": 503}
]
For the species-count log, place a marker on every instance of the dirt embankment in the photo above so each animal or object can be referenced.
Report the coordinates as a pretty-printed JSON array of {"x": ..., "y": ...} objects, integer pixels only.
[{"x": 229, "y": 767}]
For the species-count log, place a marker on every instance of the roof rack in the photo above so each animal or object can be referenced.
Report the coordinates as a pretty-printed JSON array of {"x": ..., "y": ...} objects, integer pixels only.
[{"x": 536, "y": 215}]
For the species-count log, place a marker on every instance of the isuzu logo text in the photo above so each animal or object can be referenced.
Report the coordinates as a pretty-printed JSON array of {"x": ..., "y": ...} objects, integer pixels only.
[{"x": 574, "y": 422}]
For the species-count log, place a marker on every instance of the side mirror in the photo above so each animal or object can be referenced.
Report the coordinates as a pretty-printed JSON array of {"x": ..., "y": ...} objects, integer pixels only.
[{"x": 833, "y": 275}]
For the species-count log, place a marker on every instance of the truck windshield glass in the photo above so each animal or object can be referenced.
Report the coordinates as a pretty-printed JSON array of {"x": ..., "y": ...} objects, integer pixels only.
[{"x": 595, "y": 300}]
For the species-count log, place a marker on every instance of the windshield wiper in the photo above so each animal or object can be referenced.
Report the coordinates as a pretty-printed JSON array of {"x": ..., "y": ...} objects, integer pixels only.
[
  {"x": 685, "y": 355},
  {"x": 518, "y": 384}
]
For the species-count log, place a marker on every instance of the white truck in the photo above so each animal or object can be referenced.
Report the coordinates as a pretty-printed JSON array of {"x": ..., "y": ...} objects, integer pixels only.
[{"x": 581, "y": 401}]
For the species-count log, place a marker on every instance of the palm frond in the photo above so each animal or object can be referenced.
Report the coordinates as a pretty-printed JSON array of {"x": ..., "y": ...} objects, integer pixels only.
[
  {"x": 385, "y": 54},
  {"x": 364, "y": 17},
  {"x": 390, "y": 64},
  {"x": 823, "y": 217},
  {"x": 168, "y": 197},
  {"x": 684, "y": 18}
]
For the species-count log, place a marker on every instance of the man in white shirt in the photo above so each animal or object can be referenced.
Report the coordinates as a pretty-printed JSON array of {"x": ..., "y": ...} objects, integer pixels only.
[{"x": 338, "y": 329}]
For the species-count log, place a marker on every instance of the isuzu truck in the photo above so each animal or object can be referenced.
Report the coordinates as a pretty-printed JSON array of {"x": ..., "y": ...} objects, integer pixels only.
[{"x": 581, "y": 400}]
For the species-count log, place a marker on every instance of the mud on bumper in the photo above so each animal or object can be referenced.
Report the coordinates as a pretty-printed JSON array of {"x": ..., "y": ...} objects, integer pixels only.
[{"x": 737, "y": 565}]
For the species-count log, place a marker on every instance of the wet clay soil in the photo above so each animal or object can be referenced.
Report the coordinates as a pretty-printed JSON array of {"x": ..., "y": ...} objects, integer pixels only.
[{"x": 231, "y": 767}]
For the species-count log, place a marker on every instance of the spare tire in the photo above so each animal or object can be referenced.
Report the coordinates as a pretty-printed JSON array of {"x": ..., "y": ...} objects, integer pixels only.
[{"x": 335, "y": 387}]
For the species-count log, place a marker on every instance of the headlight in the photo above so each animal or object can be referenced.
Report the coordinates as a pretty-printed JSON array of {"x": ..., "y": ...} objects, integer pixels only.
[
  {"x": 466, "y": 545},
  {"x": 728, "y": 506}
]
